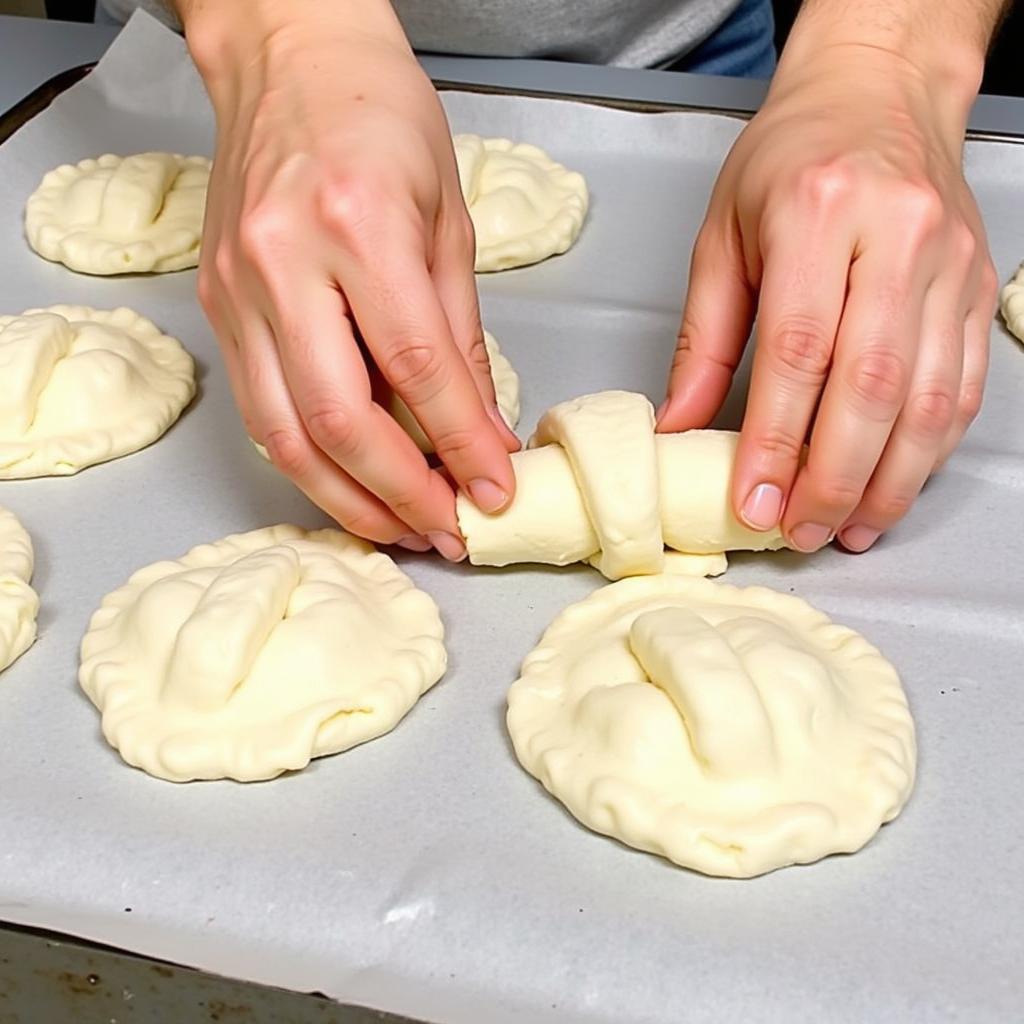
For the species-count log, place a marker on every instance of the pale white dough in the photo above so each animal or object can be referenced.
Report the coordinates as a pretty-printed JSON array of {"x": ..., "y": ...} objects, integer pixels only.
[
  {"x": 18, "y": 601},
  {"x": 597, "y": 481},
  {"x": 733, "y": 731},
  {"x": 85, "y": 385},
  {"x": 248, "y": 657},
  {"x": 524, "y": 206},
  {"x": 1011, "y": 303},
  {"x": 121, "y": 215},
  {"x": 506, "y": 390}
]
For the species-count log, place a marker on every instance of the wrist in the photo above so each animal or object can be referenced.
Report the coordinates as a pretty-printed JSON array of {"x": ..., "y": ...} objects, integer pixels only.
[
  {"x": 922, "y": 44},
  {"x": 230, "y": 39}
]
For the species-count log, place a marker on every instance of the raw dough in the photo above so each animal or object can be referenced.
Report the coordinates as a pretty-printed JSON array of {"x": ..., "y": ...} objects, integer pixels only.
[
  {"x": 18, "y": 601},
  {"x": 506, "y": 389},
  {"x": 731, "y": 730},
  {"x": 85, "y": 385},
  {"x": 596, "y": 478},
  {"x": 248, "y": 657},
  {"x": 121, "y": 215},
  {"x": 1011, "y": 302},
  {"x": 524, "y": 206}
]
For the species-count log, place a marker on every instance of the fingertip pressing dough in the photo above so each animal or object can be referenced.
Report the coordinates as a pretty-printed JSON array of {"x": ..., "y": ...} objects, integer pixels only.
[
  {"x": 19, "y": 603},
  {"x": 248, "y": 657},
  {"x": 733, "y": 731},
  {"x": 597, "y": 484},
  {"x": 1011, "y": 303},
  {"x": 524, "y": 206},
  {"x": 83, "y": 385},
  {"x": 506, "y": 390},
  {"x": 121, "y": 215}
]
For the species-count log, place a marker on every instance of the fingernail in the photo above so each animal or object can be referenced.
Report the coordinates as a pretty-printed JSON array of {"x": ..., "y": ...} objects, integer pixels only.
[
  {"x": 448, "y": 545},
  {"x": 763, "y": 507},
  {"x": 413, "y": 542},
  {"x": 809, "y": 537},
  {"x": 487, "y": 495},
  {"x": 660, "y": 411},
  {"x": 859, "y": 538}
]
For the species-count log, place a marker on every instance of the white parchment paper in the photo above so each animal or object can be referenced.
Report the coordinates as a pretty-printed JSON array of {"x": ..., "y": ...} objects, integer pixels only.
[{"x": 426, "y": 873}]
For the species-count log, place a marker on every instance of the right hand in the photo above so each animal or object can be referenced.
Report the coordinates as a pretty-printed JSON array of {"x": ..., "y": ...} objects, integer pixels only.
[{"x": 335, "y": 217}]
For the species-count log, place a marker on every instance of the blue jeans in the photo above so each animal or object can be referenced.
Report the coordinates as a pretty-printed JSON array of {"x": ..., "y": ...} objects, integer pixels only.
[{"x": 742, "y": 47}]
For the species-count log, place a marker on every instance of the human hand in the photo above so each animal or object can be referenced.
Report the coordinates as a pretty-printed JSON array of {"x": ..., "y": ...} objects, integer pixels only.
[
  {"x": 842, "y": 216},
  {"x": 335, "y": 226}
]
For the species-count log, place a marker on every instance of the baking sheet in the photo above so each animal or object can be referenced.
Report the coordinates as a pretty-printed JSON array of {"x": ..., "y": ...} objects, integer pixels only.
[{"x": 426, "y": 873}]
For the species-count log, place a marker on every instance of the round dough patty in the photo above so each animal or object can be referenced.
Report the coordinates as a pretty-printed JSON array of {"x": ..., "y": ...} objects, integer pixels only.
[
  {"x": 524, "y": 206},
  {"x": 248, "y": 657},
  {"x": 733, "y": 731},
  {"x": 18, "y": 601},
  {"x": 1011, "y": 303},
  {"x": 84, "y": 385},
  {"x": 121, "y": 215}
]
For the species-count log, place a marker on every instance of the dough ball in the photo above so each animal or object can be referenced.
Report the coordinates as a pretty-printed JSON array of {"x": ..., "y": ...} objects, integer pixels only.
[
  {"x": 524, "y": 206},
  {"x": 121, "y": 215},
  {"x": 18, "y": 601},
  {"x": 733, "y": 731},
  {"x": 85, "y": 385},
  {"x": 506, "y": 390},
  {"x": 1011, "y": 303},
  {"x": 251, "y": 656}
]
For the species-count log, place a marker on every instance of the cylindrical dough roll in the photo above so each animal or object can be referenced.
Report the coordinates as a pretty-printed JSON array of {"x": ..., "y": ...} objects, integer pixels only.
[
  {"x": 695, "y": 476},
  {"x": 547, "y": 521}
]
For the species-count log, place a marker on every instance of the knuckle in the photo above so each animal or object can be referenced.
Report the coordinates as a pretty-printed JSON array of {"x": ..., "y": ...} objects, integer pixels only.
[
  {"x": 477, "y": 354},
  {"x": 931, "y": 411},
  {"x": 802, "y": 348},
  {"x": 364, "y": 523},
  {"x": 416, "y": 370},
  {"x": 921, "y": 208},
  {"x": 886, "y": 509},
  {"x": 969, "y": 405},
  {"x": 465, "y": 234},
  {"x": 780, "y": 446},
  {"x": 346, "y": 205},
  {"x": 837, "y": 494},
  {"x": 333, "y": 428},
  {"x": 878, "y": 377},
  {"x": 989, "y": 284},
  {"x": 262, "y": 232},
  {"x": 224, "y": 263},
  {"x": 828, "y": 184},
  {"x": 205, "y": 290},
  {"x": 964, "y": 244},
  {"x": 455, "y": 444},
  {"x": 288, "y": 450}
]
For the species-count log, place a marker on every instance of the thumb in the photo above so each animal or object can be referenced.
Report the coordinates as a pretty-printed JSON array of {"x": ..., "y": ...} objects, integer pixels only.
[{"x": 716, "y": 321}]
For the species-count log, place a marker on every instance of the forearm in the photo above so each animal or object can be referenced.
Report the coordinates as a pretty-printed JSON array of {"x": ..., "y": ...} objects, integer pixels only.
[{"x": 944, "y": 41}]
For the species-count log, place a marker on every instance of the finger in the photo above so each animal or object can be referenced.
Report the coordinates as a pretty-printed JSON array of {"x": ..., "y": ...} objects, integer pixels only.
[
  {"x": 716, "y": 321},
  {"x": 455, "y": 283},
  {"x": 292, "y": 450},
  {"x": 802, "y": 294},
  {"x": 874, "y": 355},
  {"x": 407, "y": 333},
  {"x": 331, "y": 392},
  {"x": 227, "y": 334},
  {"x": 922, "y": 425},
  {"x": 977, "y": 332}
]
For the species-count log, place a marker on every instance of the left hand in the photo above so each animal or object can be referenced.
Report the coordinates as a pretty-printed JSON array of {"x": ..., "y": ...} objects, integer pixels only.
[{"x": 844, "y": 205}]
